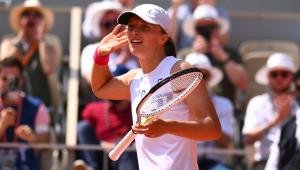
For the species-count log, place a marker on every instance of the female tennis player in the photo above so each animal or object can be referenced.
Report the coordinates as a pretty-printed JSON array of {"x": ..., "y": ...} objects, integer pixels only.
[{"x": 168, "y": 142}]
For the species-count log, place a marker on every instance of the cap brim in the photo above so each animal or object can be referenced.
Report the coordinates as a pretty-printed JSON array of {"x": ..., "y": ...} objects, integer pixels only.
[
  {"x": 125, "y": 16},
  {"x": 224, "y": 26},
  {"x": 216, "y": 75}
]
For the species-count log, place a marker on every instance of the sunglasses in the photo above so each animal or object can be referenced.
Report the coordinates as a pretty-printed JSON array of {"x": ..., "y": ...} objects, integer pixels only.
[
  {"x": 283, "y": 74},
  {"x": 34, "y": 14},
  {"x": 108, "y": 24}
]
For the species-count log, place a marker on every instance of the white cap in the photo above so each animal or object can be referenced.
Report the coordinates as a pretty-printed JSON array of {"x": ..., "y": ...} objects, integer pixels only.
[
  {"x": 205, "y": 12},
  {"x": 97, "y": 12},
  {"x": 201, "y": 61},
  {"x": 150, "y": 13},
  {"x": 277, "y": 61}
]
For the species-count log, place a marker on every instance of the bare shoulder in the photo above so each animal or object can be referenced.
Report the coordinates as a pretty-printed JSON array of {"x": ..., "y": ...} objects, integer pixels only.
[{"x": 180, "y": 65}]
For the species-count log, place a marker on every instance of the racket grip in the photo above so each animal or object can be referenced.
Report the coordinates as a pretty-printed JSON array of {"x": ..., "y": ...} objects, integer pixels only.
[{"x": 124, "y": 143}]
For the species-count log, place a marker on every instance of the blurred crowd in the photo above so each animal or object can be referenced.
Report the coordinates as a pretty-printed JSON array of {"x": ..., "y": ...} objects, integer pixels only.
[{"x": 201, "y": 31}]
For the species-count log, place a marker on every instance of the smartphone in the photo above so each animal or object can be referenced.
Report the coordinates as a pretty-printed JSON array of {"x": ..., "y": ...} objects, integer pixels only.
[{"x": 205, "y": 31}]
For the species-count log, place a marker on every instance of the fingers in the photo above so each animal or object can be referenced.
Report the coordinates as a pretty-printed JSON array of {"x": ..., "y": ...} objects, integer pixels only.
[
  {"x": 121, "y": 34},
  {"x": 115, "y": 31},
  {"x": 122, "y": 42}
]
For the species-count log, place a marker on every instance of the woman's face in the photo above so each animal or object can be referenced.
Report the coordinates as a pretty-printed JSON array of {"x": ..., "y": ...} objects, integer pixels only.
[
  {"x": 144, "y": 38},
  {"x": 30, "y": 20}
]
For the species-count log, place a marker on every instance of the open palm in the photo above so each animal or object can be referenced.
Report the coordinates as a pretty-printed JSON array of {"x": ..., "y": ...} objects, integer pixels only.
[{"x": 112, "y": 41}]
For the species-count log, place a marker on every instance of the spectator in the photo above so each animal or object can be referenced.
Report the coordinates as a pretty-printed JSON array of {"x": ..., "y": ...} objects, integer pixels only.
[
  {"x": 86, "y": 25},
  {"x": 285, "y": 151},
  {"x": 266, "y": 112},
  {"x": 31, "y": 21},
  {"x": 106, "y": 122},
  {"x": 24, "y": 119},
  {"x": 212, "y": 76},
  {"x": 180, "y": 12},
  {"x": 206, "y": 27},
  {"x": 102, "y": 23}
]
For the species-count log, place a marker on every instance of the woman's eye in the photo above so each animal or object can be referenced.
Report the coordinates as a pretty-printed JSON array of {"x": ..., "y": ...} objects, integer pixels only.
[{"x": 129, "y": 26}]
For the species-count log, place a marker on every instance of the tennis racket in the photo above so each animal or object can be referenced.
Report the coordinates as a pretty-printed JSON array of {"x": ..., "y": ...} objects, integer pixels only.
[{"x": 160, "y": 98}]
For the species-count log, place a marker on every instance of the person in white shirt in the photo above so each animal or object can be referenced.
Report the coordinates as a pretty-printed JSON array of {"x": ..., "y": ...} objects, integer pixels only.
[
  {"x": 265, "y": 112},
  {"x": 168, "y": 142},
  {"x": 212, "y": 76},
  {"x": 285, "y": 150}
]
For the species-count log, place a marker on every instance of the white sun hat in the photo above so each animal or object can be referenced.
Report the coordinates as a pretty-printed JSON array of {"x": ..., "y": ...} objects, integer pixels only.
[
  {"x": 201, "y": 61},
  {"x": 98, "y": 12},
  {"x": 90, "y": 12},
  {"x": 150, "y": 13},
  {"x": 277, "y": 61},
  {"x": 15, "y": 14},
  {"x": 208, "y": 13}
]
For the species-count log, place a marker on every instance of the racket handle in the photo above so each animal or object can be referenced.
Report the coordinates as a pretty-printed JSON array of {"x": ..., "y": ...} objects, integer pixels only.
[{"x": 124, "y": 143}]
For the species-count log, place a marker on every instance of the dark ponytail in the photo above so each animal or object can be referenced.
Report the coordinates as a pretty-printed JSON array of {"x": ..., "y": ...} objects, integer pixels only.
[{"x": 170, "y": 49}]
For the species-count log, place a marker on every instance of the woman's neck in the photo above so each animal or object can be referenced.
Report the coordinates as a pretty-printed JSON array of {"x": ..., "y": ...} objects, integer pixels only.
[{"x": 150, "y": 61}]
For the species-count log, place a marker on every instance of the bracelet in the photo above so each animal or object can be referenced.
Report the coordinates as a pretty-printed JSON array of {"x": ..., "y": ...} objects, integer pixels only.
[
  {"x": 102, "y": 61},
  {"x": 226, "y": 61}
]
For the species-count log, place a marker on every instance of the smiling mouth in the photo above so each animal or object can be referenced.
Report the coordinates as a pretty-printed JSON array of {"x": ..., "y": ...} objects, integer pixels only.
[{"x": 136, "y": 42}]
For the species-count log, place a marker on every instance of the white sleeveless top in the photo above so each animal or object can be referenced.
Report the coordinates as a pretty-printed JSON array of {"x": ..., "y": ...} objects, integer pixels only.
[{"x": 167, "y": 152}]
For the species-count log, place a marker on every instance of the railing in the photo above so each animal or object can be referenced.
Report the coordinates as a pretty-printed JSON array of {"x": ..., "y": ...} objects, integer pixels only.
[{"x": 233, "y": 152}]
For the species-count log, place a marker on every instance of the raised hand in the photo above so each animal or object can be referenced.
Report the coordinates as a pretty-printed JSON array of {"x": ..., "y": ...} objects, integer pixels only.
[
  {"x": 41, "y": 29},
  {"x": 26, "y": 133},
  {"x": 7, "y": 117},
  {"x": 217, "y": 50},
  {"x": 200, "y": 45},
  {"x": 282, "y": 105},
  {"x": 112, "y": 41}
]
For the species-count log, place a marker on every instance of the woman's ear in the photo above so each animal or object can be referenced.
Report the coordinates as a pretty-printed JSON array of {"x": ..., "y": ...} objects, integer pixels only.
[{"x": 164, "y": 39}]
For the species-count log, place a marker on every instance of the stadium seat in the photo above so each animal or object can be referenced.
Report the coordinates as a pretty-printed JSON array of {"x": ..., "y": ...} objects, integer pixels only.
[{"x": 269, "y": 45}]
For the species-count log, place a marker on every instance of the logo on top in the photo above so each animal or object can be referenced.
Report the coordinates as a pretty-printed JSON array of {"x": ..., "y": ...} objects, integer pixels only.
[
  {"x": 143, "y": 93},
  {"x": 149, "y": 11}
]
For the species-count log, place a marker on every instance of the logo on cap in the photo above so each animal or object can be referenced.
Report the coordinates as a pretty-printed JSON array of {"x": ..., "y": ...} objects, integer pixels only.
[{"x": 149, "y": 11}]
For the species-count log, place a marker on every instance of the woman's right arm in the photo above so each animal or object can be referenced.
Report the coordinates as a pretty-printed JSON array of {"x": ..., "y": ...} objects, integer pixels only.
[{"x": 104, "y": 84}]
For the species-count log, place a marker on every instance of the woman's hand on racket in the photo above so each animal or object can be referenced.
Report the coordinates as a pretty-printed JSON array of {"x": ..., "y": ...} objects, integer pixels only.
[
  {"x": 152, "y": 129},
  {"x": 112, "y": 41}
]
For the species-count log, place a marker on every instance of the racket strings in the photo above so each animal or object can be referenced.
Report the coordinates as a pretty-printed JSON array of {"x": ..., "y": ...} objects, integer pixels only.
[{"x": 168, "y": 94}]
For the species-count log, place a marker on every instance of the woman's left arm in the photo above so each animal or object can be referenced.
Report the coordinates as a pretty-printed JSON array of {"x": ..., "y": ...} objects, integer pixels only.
[{"x": 205, "y": 127}]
